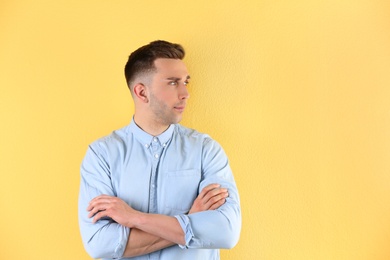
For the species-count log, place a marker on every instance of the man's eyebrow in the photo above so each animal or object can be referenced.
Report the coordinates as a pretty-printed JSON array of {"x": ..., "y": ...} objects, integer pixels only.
[{"x": 176, "y": 78}]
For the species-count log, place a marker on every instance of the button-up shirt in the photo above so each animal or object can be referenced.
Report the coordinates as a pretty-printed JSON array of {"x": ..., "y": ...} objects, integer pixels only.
[{"x": 163, "y": 175}]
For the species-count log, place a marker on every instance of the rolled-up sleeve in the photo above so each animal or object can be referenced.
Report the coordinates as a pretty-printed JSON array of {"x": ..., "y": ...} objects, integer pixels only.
[
  {"x": 218, "y": 228},
  {"x": 105, "y": 238}
]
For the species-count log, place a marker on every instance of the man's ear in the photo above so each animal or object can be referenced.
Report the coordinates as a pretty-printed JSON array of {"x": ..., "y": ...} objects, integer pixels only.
[{"x": 141, "y": 92}]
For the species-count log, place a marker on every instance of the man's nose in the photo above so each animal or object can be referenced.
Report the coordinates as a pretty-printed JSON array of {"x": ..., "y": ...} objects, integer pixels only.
[{"x": 184, "y": 94}]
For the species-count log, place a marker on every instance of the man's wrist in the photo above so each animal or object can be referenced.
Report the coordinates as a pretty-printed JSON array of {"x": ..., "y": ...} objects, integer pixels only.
[{"x": 138, "y": 219}]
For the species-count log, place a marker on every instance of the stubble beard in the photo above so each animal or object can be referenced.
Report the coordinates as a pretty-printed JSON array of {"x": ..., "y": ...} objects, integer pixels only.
[{"x": 163, "y": 114}]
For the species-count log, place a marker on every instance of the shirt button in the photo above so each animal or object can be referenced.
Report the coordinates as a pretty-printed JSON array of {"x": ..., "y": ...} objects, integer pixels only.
[
  {"x": 156, "y": 156},
  {"x": 164, "y": 144},
  {"x": 146, "y": 145},
  {"x": 155, "y": 139}
]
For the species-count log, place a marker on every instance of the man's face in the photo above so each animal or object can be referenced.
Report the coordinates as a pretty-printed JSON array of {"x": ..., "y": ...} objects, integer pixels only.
[{"x": 168, "y": 91}]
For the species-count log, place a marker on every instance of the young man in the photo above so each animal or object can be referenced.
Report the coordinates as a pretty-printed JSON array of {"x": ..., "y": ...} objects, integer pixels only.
[{"x": 155, "y": 189}]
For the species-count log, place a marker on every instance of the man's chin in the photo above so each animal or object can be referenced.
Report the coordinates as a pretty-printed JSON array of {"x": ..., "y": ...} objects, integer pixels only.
[{"x": 177, "y": 120}]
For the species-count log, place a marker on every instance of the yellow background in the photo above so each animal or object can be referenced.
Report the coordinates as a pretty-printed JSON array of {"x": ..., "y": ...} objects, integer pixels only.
[{"x": 297, "y": 92}]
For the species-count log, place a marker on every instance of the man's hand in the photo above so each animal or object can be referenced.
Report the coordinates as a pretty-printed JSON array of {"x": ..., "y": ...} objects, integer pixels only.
[
  {"x": 211, "y": 197},
  {"x": 113, "y": 207},
  {"x": 149, "y": 237}
]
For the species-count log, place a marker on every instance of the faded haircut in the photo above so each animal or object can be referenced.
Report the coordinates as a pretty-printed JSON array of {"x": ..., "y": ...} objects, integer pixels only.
[{"x": 141, "y": 61}]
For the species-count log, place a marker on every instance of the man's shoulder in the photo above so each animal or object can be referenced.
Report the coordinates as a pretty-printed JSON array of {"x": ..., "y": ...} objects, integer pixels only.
[
  {"x": 187, "y": 132},
  {"x": 192, "y": 135},
  {"x": 116, "y": 137}
]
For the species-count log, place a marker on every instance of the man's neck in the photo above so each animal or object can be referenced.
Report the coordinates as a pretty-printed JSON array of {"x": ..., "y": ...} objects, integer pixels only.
[{"x": 152, "y": 128}]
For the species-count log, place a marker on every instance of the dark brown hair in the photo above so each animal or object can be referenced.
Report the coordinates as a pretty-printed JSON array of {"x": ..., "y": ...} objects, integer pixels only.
[{"x": 142, "y": 60}]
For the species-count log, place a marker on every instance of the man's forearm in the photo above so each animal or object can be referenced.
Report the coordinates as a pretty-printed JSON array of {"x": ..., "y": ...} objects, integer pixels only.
[
  {"x": 141, "y": 243},
  {"x": 163, "y": 226},
  {"x": 152, "y": 232}
]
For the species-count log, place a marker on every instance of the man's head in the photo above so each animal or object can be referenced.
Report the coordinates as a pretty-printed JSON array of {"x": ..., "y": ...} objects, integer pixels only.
[
  {"x": 141, "y": 61},
  {"x": 158, "y": 78}
]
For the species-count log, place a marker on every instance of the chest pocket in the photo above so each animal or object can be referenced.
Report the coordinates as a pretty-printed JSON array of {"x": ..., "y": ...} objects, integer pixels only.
[{"x": 181, "y": 190}]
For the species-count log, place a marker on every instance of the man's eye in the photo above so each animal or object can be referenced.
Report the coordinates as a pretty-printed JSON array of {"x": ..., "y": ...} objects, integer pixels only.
[
  {"x": 173, "y": 83},
  {"x": 186, "y": 83}
]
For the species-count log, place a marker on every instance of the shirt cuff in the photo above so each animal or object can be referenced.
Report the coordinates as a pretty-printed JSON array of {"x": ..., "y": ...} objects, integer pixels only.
[
  {"x": 121, "y": 247},
  {"x": 187, "y": 229}
]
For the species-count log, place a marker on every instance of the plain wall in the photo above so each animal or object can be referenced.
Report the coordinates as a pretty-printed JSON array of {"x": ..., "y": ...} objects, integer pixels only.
[{"x": 297, "y": 93}]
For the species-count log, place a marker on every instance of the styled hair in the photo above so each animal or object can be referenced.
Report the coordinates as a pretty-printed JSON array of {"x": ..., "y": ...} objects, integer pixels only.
[{"x": 141, "y": 61}]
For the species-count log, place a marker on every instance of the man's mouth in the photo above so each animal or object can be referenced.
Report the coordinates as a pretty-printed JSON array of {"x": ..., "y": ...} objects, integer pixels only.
[{"x": 179, "y": 108}]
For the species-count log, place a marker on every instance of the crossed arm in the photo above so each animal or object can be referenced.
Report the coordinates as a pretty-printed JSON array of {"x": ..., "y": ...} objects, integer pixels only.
[{"x": 152, "y": 232}]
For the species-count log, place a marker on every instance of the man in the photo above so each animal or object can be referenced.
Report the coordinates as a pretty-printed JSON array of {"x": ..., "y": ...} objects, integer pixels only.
[{"x": 155, "y": 189}]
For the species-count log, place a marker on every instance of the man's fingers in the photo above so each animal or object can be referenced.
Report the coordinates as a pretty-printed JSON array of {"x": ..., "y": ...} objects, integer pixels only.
[
  {"x": 217, "y": 200},
  {"x": 99, "y": 203},
  {"x": 217, "y": 204},
  {"x": 99, "y": 215},
  {"x": 96, "y": 208},
  {"x": 96, "y": 200},
  {"x": 213, "y": 196},
  {"x": 99, "y": 198},
  {"x": 213, "y": 193},
  {"x": 207, "y": 189}
]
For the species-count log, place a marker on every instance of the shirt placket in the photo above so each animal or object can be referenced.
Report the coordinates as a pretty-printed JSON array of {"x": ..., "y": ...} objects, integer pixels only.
[{"x": 156, "y": 150}]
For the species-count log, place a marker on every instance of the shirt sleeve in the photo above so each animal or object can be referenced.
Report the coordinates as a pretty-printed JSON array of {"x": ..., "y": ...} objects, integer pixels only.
[
  {"x": 105, "y": 238},
  {"x": 218, "y": 228}
]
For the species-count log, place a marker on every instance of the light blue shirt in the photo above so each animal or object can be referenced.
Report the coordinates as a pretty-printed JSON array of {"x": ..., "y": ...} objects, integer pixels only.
[{"x": 159, "y": 174}]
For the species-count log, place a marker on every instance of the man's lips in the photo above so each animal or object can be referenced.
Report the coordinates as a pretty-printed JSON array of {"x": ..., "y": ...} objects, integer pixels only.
[{"x": 180, "y": 108}]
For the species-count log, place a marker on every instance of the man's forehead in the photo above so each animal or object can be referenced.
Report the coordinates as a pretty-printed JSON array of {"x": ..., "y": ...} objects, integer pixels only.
[{"x": 171, "y": 66}]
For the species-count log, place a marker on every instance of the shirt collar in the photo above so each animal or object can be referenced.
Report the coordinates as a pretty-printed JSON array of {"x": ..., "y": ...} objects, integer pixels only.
[{"x": 146, "y": 138}]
